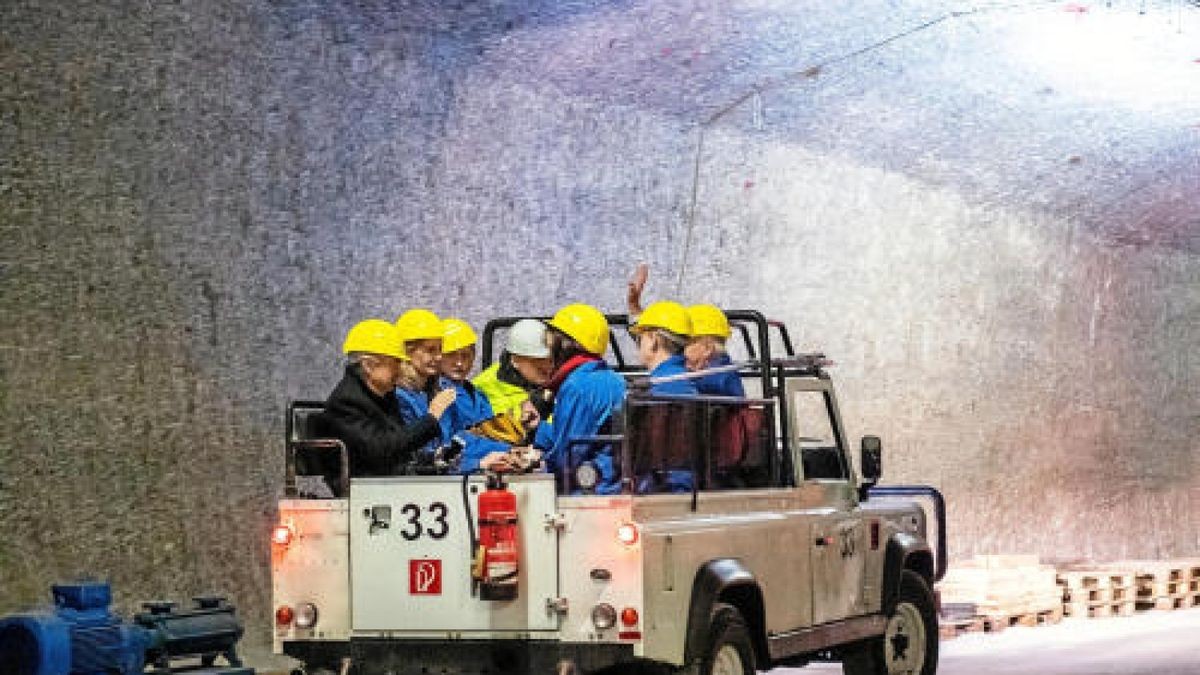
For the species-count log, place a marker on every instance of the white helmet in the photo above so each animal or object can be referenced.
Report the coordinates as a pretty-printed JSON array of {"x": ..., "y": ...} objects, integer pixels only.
[{"x": 527, "y": 337}]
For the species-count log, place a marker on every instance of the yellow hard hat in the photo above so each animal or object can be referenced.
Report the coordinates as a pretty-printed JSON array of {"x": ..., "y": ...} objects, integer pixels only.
[
  {"x": 374, "y": 336},
  {"x": 418, "y": 324},
  {"x": 456, "y": 335},
  {"x": 667, "y": 315},
  {"x": 709, "y": 320},
  {"x": 585, "y": 324}
]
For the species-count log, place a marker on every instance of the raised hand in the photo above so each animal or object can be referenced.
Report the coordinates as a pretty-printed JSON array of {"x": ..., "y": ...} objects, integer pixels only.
[{"x": 637, "y": 283}]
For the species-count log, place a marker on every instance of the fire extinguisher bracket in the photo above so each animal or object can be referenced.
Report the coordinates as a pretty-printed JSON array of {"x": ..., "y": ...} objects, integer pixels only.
[{"x": 556, "y": 521}]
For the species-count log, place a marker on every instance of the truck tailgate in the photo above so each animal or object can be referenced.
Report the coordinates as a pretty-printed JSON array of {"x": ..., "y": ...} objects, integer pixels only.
[{"x": 410, "y": 557}]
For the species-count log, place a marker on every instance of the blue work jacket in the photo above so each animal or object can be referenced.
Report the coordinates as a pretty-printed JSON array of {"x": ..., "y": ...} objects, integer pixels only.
[
  {"x": 673, "y": 366},
  {"x": 415, "y": 404},
  {"x": 470, "y": 408},
  {"x": 721, "y": 384},
  {"x": 583, "y": 405}
]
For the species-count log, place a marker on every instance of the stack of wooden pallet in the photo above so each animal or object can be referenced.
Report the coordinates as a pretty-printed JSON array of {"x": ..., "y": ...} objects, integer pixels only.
[
  {"x": 1121, "y": 588},
  {"x": 1097, "y": 591},
  {"x": 991, "y": 593},
  {"x": 1167, "y": 584}
]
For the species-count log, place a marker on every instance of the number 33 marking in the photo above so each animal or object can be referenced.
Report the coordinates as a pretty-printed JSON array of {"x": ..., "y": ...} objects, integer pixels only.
[{"x": 414, "y": 528}]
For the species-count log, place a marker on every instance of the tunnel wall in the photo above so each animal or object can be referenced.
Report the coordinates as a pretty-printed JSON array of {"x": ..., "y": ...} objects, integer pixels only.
[{"x": 199, "y": 198}]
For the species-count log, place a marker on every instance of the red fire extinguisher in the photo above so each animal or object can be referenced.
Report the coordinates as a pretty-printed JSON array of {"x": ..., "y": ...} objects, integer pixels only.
[{"x": 497, "y": 563}]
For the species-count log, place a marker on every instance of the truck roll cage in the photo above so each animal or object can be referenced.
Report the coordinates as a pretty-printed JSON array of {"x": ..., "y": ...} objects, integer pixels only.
[
  {"x": 690, "y": 437},
  {"x": 756, "y": 332},
  {"x": 664, "y": 442},
  {"x": 758, "y": 344},
  {"x": 685, "y": 444}
]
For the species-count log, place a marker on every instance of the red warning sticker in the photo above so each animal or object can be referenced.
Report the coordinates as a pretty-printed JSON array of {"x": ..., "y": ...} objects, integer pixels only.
[{"x": 425, "y": 577}]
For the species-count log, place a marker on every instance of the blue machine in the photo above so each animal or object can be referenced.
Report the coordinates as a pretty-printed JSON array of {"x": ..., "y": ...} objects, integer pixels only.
[{"x": 81, "y": 636}]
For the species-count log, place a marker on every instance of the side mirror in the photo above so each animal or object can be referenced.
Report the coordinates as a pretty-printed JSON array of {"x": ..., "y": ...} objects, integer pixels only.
[{"x": 871, "y": 463}]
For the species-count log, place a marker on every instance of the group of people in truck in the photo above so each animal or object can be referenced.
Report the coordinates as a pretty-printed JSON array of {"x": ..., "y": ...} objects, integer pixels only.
[{"x": 407, "y": 393}]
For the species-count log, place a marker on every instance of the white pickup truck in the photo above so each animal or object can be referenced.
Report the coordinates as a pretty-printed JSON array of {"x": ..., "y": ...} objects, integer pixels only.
[{"x": 774, "y": 550}]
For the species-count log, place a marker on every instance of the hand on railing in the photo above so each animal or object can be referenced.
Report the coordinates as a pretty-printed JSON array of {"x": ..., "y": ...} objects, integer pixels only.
[{"x": 529, "y": 415}]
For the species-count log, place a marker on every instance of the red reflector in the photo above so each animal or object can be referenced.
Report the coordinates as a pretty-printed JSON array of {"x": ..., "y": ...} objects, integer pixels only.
[
  {"x": 630, "y": 635},
  {"x": 627, "y": 533},
  {"x": 284, "y": 616},
  {"x": 629, "y": 616},
  {"x": 874, "y": 535},
  {"x": 282, "y": 535}
]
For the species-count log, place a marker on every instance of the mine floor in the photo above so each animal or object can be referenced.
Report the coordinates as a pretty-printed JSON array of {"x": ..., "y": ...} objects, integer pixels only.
[{"x": 1149, "y": 643}]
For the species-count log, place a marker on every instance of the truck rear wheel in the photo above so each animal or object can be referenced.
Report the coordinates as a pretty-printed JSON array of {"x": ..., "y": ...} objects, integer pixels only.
[
  {"x": 729, "y": 650},
  {"x": 910, "y": 644}
]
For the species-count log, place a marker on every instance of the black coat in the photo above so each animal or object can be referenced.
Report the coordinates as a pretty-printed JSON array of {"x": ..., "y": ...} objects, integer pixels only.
[{"x": 378, "y": 441}]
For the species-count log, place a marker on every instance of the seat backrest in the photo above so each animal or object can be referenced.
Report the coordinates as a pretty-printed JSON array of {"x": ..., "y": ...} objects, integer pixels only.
[
  {"x": 303, "y": 420},
  {"x": 739, "y": 444},
  {"x": 663, "y": 436}
]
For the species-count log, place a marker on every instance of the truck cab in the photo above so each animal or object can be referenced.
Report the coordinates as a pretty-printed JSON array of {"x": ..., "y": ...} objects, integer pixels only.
[{"x": 743, "y": 538}]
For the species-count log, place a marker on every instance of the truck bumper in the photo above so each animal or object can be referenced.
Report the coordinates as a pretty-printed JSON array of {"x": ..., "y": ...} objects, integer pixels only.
[{"x": 495, "y": 657}]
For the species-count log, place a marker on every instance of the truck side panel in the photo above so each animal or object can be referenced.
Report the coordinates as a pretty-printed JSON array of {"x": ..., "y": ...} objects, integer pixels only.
[{"x": 764, "y": 530}]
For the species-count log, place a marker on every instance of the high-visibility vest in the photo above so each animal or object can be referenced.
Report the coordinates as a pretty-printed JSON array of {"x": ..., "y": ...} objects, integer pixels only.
[{"x": 503, "y": 397}]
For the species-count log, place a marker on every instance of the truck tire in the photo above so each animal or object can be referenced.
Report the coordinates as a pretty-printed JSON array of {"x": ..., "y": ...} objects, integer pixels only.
[
  {"x": 729, "y": 650},
  {"x": 910, "y": 644}
]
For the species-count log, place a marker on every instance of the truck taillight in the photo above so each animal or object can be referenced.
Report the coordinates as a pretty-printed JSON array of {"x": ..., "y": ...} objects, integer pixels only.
[
  {"x": 284, "y": 616},
  {"x": 627, "y": 533},
  {"x": 629, "y": 616},
  {"x": 282, "y": 535}
]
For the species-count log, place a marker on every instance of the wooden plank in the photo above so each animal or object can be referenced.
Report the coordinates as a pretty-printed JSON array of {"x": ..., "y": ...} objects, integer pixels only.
[
  {"x": 1162, "y": 589},
  {"x": 952, "y": 629},
  {"x": 1051, "y": 617},
  {"x": 1173, "y": 603},
  {"x": 1089, "y": 580}
]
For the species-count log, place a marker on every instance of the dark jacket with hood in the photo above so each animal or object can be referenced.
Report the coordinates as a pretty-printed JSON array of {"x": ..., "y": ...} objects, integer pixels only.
[{"x": 377, "y": 439}]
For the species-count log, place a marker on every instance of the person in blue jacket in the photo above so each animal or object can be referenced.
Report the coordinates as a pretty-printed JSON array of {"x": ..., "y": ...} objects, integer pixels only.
[
  {"x": 420, "y": 390},
  {"x": 662, "y": 333},
  {"x": 471, "y": 406},
  {"x": 586, "y": 393},
  {"x": 710, "y": 331},
  {"x": 705, "y": 349}
]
